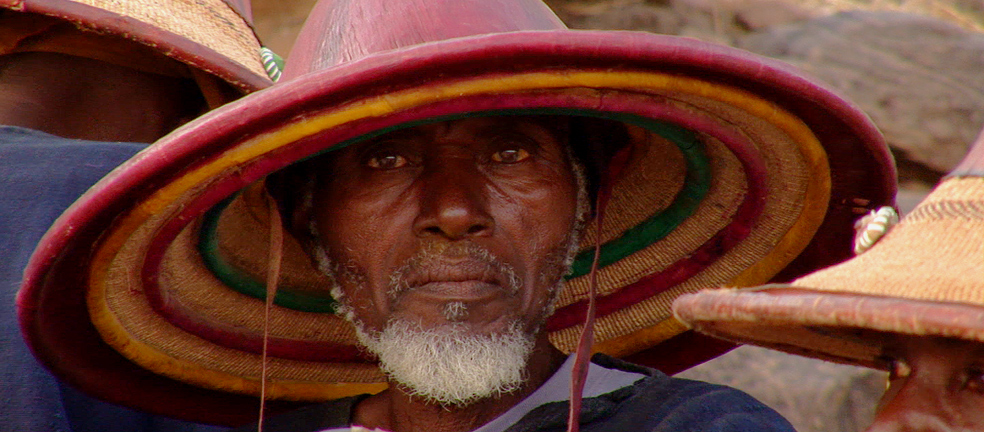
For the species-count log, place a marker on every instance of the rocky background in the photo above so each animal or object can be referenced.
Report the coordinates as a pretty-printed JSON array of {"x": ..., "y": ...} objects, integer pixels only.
[{"x": 915, "y": 66}]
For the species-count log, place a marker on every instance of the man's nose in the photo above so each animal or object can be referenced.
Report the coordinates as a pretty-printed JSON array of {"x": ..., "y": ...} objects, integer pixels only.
[{"x": 454, "y": 202}]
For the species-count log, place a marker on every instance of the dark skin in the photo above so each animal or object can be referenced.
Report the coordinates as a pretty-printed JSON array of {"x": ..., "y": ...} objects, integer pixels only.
[
  {"x": 82, "y": 98},
  {"x": 936, "y": 385},
  {"x": 502, "y": 183}
]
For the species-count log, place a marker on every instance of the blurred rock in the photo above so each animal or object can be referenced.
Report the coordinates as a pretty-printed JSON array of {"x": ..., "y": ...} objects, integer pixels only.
[
  {"x": 278, "y": 21},
  {"x": 814, "y": 395},
  {"x": 719, "y": 21},
  {"x": 918, "y": 78},
  {"x": 763, "y": 14}
]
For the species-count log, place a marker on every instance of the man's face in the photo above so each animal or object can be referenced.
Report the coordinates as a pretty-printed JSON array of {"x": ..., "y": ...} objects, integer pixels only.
[
  {"x": 460, "y": 230},
  {"x": 478, "y": 213},
  {"x": 936, "y": 384}
]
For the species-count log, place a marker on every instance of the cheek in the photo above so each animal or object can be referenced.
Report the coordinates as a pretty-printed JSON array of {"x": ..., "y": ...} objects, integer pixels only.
[
  {"x": 976, "y": 414},
  {"x": 539, "y": 219},
  {"x": 551, "y": 210},
  {"x": 358, "y": 237},
  {"x": 351, "y": 220},
  {"x": 545, "y": 193}
]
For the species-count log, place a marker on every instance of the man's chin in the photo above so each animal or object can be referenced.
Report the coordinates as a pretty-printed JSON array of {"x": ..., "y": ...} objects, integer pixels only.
[{"x": 451, "y": 365}]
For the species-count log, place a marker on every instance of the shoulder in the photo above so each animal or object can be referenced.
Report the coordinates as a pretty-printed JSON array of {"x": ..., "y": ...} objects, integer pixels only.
[
  {"x": 663, "y": 403},
  {"x": 15, "y": 135},
  {"x": 37, "y": 150},
  {"x": 317, "y": 417}
]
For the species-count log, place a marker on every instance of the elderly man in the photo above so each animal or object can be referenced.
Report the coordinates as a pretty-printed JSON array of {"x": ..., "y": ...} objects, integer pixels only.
[
  {"x": 424, "y": 219},
  {"x": 82, "y": 89},
  {"x": 911, "y": 305},
  {"x": 481, "y": 219}
]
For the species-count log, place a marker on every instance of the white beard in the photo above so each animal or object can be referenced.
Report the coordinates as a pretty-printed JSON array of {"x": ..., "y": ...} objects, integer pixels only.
[{"x": 449, "y": 365}]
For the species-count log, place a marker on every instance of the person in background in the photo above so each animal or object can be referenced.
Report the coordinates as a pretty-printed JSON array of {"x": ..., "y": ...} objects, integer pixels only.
[
  {"x": 912, "y": 304},
  {"x": 85, "y": 85}
]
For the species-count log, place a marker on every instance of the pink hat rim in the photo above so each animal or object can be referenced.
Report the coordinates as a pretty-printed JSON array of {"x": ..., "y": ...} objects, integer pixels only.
[{"x": 833, "y": 316}]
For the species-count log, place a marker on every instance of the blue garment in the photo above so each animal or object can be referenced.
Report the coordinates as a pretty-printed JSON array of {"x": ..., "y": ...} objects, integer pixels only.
[
  {"x": 40, "y": 176},
  {"x": 655, "y": 403}
]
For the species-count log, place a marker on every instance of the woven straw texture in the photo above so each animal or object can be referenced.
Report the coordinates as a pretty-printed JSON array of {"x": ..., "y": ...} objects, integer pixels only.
[
  {"x": 209, "y": 23},
  {"x": 935, "y": 253},
  {"x": 925, "y": 277},
  {"x": 38, "y": 33},
  {"x": 787, "y": 170}
]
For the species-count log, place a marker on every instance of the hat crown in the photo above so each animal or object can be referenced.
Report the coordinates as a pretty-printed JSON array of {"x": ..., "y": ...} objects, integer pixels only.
[
  {"x": 341, "y": 31},
  {"x": 243, "y": 7}
]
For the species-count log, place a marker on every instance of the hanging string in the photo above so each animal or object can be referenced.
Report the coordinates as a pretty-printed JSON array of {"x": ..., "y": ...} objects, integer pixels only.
[
  {"x": 273, "y": 275},
  {"x": 579, "y": 373}
]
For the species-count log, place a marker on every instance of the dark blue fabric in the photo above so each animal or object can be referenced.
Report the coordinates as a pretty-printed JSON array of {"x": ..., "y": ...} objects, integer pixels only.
[
  {"x": 660, "y": 404},
  {"x": 657, "y": 403},
  {"x": 40, "y": 176}
]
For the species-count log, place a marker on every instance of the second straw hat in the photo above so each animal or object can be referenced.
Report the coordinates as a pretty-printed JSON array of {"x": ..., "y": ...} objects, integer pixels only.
[
  {"x": 925, "y": 277},
  {"x": 214, "y": 37}
]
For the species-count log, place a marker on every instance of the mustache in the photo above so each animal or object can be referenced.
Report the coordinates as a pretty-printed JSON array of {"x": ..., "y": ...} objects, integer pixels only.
[{"x": 453, "y": 262}]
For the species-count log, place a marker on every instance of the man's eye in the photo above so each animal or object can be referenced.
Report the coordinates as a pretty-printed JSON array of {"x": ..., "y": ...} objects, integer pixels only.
[
  {"x": 975, "y": 380},
  {"x": 390, "y": 161},
  {"x": 510, "y": 156}
]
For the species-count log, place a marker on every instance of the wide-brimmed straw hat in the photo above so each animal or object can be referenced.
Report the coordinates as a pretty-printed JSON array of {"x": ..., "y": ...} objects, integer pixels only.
[
  {"x": 736, "y": 164},
  {"x": 214, "y": 38},
  {"x": 925, "y": 277}
]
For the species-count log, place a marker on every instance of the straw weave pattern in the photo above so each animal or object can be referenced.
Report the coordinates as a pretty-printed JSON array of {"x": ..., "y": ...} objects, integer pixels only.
[
  {"x": 787, "y": 181},
  {"x": 965, "y": 209},
  {"x": 184, "y": 272},
  {"x": 210, "y": 23},
  {"x": 935, "y": 253}
]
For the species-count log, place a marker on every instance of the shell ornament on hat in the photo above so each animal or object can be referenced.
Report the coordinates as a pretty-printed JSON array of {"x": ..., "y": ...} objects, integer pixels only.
[
  {"x": 925, "y": 277},
  {"x": 741, "y": 171},
  {"x": 214, "y": 38}
]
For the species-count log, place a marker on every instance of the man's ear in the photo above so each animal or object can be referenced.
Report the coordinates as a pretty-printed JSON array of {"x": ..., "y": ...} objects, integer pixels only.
[
  {"x": 291, "y": 189},
  {"x": 594, "y": 141}
]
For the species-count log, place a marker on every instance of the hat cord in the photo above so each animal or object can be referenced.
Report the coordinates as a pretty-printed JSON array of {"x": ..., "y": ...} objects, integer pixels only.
[
  {"x": 579, "y": 372},
  {"x": 582, "y": 354},
  {"x": 273, "y": 275}
]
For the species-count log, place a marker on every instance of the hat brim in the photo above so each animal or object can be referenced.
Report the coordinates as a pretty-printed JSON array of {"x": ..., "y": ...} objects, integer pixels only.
[
  {"x": 210, "y": 159},
  {"x": 222, "y": 45},
  {"x": 839, "y": 327},
  {"x": 923, "y": 278}
]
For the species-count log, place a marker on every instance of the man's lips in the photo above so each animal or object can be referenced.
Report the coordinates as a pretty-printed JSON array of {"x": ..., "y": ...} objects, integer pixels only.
[
  {"x": 452, "y": 271},
  {"x": 469, "y": 280},
  {"x": 461, "y": 291}
]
